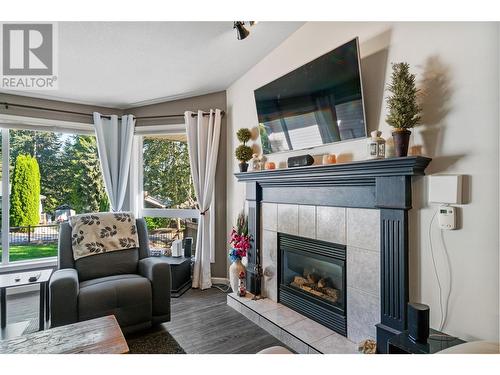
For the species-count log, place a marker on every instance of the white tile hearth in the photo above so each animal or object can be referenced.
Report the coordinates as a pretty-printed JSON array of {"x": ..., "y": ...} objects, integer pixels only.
[
  {"x": 308, "y": 330},
  {"x": 298, "y": 332},
  {"x": 288, "y": 218},
  {"x": 269, "y": 213},
  {"x": 307, "y": 221},
  {"x": 335, "y": 344},
  {"x": 363, "y": 228},
  {"x": 331, "y": 224},
  {"x": 283, "y": 316}
]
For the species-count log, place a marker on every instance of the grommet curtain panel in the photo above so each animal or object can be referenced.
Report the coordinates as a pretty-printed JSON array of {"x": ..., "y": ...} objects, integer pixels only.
[
  {"x": 203, "y": 135},
  {"x": 114, "y": 145}
]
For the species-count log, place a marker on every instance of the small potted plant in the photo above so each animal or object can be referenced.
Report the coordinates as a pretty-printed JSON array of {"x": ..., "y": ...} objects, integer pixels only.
[
  {"x": 243, "y": 152},
  {"x": 240, "y": 243},
  {"x": 404, "y": 111}
]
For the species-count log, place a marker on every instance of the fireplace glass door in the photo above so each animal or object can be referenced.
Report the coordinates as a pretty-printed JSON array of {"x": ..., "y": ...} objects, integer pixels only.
[{"x": 315, "y": 275}]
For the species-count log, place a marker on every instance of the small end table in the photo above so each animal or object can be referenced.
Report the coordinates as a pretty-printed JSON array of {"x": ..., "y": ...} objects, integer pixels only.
[
  {"x": 180, "y": 268},
  {"x": 437, "y": 341},
  {"x": 8, "y": 281}
]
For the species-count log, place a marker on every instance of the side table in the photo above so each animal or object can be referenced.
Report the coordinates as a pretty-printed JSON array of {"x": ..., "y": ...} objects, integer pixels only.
[
  {"x": 8, "y": 281},
  {"x": 437, "y": 341},
  {"x": 180, "y": 268}
]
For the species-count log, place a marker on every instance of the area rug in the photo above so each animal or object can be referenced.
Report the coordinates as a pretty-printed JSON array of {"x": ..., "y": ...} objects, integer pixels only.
[{"x": 154, "y": 343}]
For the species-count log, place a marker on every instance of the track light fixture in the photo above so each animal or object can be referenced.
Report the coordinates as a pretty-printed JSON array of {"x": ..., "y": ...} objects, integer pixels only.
[{"x": 241, "y": 30}]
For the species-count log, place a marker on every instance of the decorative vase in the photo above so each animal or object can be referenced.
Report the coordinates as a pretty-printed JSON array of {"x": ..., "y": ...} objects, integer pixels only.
[
  {"x": 234, "y": 274},
  {"x": 243, "y": 166},
  {"x": 401, "y": 141}
]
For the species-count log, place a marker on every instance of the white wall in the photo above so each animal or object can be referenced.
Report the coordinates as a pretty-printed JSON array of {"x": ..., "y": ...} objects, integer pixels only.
[{"x": 457, "y": 65}]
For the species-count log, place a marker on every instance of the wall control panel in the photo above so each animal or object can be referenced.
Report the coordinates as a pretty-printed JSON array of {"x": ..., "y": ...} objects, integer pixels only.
[{"x": 447, "y": 217}]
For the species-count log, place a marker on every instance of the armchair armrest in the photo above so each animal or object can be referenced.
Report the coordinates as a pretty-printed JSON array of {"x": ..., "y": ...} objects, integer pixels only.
[
  {"x": 157, "y": 270},
  {"x": 63, "y": 291}
]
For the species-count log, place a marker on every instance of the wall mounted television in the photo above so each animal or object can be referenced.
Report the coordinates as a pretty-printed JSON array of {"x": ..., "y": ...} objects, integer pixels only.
[{"x": 319, "y": 103}]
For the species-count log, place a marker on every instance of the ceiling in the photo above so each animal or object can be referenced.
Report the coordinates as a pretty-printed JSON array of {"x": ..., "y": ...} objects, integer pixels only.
[{"x": 126, "y": 64}]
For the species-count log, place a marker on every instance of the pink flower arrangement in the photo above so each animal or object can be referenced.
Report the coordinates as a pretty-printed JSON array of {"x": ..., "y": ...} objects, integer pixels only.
[{"x": 240, "y": 240}]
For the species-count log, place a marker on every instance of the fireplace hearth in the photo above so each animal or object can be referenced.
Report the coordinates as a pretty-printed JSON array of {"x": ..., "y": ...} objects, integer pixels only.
[{"x": 312, "y": 279}]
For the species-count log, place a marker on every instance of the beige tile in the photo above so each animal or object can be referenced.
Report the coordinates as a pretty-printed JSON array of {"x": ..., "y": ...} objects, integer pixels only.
[
  {"x": 335, "y": 344},
  {"x": 270, "y": 327},
  {"x": 293, "y": 343},
  {"x": 311, "y": 350},
  {"x": 283, "y": 316},
  {"x": 269, "y": 212},
  {"x": 307, "y": 221},
  {"x": 363, "y": 270},
  {"x": 308, "y": 330},
  {"x": 231, "y": 302},
  {"x": 363, "y": 228},
  {"x": 363, "y": 314},
  {"x": 250, "y": 314},
  {"x": 270, "y": 264},
  {"x": 288, "y": 218},
  {"x": 262, "y": 305},
  {"x": 331, "y": 224}
]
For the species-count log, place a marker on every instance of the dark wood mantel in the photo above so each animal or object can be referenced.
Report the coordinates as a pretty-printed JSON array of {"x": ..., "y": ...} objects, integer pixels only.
[{"x": 380, "y": 184}]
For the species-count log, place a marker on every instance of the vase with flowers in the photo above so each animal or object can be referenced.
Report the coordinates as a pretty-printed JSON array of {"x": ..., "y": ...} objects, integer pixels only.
[{"x": 240, "y": 243}]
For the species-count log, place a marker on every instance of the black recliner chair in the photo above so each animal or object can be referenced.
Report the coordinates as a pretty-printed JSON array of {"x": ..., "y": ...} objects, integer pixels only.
[{"x": 128, "y": 284}]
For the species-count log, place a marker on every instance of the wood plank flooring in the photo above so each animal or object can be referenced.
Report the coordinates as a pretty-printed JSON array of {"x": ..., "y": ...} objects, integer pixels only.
[{"x": 201, "y": 323}]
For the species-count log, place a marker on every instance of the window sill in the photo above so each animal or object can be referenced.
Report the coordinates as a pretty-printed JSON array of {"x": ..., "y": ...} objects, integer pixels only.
[{"x": 28, "y": 265}]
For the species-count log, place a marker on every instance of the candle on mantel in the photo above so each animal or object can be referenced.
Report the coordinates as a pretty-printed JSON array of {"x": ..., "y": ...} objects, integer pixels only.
[{"x": 270, "y": 165}]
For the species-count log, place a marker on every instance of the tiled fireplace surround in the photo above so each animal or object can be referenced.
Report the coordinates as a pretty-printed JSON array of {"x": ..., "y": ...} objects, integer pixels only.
[
  {"x": 363, "y": 205},
  {"x": 357, "y": 228}
]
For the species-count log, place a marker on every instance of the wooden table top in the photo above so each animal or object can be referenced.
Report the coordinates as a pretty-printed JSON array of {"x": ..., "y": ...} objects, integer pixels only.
[
  {"x": 96, "y": 336},
  {"x": 7, "y": 280}
]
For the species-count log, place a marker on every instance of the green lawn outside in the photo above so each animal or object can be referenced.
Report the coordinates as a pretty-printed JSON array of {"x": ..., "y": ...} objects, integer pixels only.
[{"x": 28, "y": 252}]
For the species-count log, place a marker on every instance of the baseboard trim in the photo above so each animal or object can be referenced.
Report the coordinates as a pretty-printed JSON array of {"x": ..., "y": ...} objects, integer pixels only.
[{"x": 220, "y": 280}]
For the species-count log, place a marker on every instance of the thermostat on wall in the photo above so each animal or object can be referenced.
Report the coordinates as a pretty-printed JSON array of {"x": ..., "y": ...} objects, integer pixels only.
[{"x": 447, "y": 217}]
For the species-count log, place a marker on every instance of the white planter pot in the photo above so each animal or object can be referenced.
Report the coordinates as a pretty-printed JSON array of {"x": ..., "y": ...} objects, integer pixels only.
[{"x": 234, "y": 272}]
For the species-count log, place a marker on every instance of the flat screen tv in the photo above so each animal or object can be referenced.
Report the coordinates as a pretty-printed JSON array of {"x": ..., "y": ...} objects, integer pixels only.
[{"x": 319, "y": 103}]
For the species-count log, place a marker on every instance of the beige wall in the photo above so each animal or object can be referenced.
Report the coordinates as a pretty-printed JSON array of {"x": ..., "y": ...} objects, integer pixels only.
[
  {"x": 457, "y": 65},
  {"x": 54, "y": 104}
]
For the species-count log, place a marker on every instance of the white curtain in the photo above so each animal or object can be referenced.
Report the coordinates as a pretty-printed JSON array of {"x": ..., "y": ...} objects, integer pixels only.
[
  {"x": 203, "y": 134},
  {"x": 114, "y": 143}
]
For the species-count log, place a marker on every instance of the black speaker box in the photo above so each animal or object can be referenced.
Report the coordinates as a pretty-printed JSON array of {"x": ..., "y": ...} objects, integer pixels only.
[
  {"x": 300, "y": 161},
  {"x": 418, "y": 322},
  {"x": 188, "y": 244}
]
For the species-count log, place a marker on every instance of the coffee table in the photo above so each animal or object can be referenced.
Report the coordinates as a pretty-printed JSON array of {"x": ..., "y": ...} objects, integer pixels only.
[
  {"x": 95, "y": 336},
  {"x": 9, "y": 281}
]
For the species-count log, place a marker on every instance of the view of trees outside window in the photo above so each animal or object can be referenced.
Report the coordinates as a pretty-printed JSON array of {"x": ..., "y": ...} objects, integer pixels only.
[
  {"x": 52, "y": 175},
  {"x": 55, "y": 175},
  {"x": 167, "y": 184}
]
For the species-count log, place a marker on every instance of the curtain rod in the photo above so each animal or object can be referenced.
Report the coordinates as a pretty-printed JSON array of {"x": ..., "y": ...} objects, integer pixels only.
[{"x": 7, "y": 105}]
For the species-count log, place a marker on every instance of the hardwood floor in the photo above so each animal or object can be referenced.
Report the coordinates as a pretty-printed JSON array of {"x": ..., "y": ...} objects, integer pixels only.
[{"x": 201, "y": 323}]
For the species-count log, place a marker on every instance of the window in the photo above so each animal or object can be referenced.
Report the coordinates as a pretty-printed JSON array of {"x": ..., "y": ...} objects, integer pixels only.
[
  {"x": 38, "y": 192},
  {"x": 167, "y": 194}
]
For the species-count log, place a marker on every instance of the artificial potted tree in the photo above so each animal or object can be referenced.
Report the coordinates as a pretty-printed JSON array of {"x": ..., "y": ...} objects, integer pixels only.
[
  {"x": 243, "y": 152},
  {"x": 404, "y": 111}
]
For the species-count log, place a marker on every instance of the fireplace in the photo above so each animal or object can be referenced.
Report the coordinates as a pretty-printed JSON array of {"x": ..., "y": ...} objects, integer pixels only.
[{"x": 312, "y": 279}]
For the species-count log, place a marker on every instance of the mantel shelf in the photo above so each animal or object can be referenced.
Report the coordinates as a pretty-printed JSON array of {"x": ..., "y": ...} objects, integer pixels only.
[{"x": 407, "y": 166}]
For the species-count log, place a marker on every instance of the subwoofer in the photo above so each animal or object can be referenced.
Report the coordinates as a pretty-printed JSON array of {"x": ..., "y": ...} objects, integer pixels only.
[{"x": 418, "y": 322}]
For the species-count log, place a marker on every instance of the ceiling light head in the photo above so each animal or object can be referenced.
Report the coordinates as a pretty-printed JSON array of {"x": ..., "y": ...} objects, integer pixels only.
[{"x": 241, "y": 31}]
